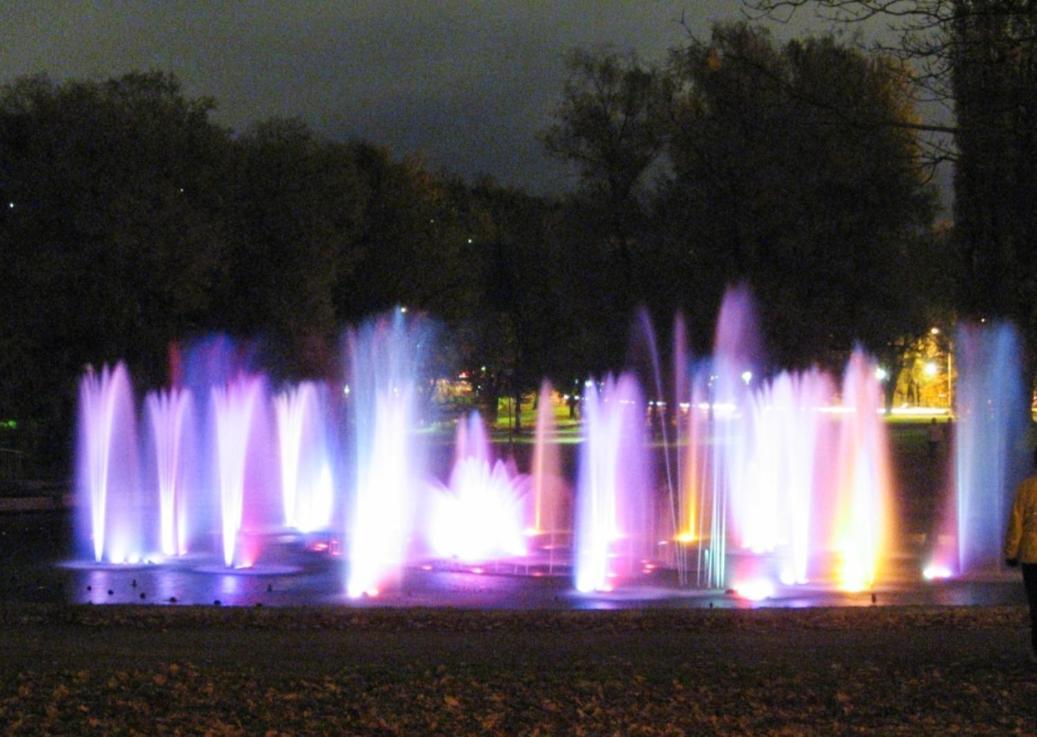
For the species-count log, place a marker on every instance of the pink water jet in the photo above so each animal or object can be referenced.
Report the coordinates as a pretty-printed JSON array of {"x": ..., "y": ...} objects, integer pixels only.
[
  {"x": 614, "y": 503},
  {"x": 550, "y": 492}
]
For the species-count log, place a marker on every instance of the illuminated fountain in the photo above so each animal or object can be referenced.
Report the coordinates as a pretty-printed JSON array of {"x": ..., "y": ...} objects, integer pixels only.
[
  {"x": 989, "y": 454},
  {"x": 614, "y": 501},
  {"x": 782, "y": 501},
  {"x": 552, "y": 517},
  {"x": 771, "y": 480},
  {"x": 480, "y": 515},
  {"x": 780, "y": 484},
  {"x": 863, "y": 518},
  {"x": 106, "y": 472},
  {"x": 170, "y": 415},
  {"x": 306, "y": 457},
  {"x": 388, "y": 469},
  {"x": 235, "y": 407}
]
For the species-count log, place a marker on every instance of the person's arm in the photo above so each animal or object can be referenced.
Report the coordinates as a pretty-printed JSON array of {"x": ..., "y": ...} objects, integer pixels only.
[{"x": 1014, "y": 535}]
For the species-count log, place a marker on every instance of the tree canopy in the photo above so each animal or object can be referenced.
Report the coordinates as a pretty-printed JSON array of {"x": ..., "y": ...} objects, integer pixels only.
[{"x": 774, "y": 166}]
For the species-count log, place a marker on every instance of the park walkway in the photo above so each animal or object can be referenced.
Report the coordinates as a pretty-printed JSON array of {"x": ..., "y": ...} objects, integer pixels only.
[{"x": 814, "y": 671}]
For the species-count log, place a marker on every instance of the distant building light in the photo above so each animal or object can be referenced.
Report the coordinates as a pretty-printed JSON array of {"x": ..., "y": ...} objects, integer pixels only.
[
  {"x": 10, "y": 205},
  {"x": 930, "y": 369},
  {"x": 935, "y": 331},
  {"x": 345, "y": 390},
  {"x": 747, "y": 376},
  {"x": 881, "y": 374},
  {"x": 403, "y": 309},
  {"x": 469, "y": 241}
]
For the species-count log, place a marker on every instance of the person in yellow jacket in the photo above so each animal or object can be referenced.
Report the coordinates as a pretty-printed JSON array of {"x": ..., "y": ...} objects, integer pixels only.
[{"x": 1021, "y": 545}]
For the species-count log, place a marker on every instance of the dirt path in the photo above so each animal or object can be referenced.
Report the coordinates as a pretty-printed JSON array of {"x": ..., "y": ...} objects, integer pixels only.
[{"x": 886, "y": 670}]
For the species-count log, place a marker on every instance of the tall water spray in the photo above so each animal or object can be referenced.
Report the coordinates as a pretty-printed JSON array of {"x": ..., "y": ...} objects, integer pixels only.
[
  {"x": 990, "y": 458},
  {"x": 614, "y": 503},
  {"x": 714, "y": 479},
  {"x": 549, "y": 490},
  {"x": 169, "y": 420},
  {"x": 106, "y": 474},
  {"x": 306, "y": 457},
  {"x": 387, "y": 458},
  {"x": 779, "y": 484},
  {"x": 863, "y": 517},
  {"x": 782, "y": 499},
  {"x": 234, "y": 408}
]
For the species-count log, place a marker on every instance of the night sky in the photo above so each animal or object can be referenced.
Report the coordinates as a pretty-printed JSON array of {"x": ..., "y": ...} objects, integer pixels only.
[{"x": 468, "y": 83}]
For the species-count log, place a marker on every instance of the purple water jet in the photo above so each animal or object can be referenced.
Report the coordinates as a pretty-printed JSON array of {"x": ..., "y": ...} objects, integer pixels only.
[
  {"x": 170, "y": 422},
  {"x": 234, "y": 408},
  {"x": 306, "y": 457},
  {"x": 106, "y": 475}
]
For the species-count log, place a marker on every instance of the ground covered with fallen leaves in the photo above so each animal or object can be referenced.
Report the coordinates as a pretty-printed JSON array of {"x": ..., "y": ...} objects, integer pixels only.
[{"x": 205, "y": 670}]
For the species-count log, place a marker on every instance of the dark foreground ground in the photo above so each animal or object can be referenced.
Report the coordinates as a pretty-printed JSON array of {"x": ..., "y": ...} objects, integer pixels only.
[{"x": 816, "y": 671}]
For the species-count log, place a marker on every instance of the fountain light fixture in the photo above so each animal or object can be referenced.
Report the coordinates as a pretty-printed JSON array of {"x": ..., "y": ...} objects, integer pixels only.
[{"x": 755, "y": 590}]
